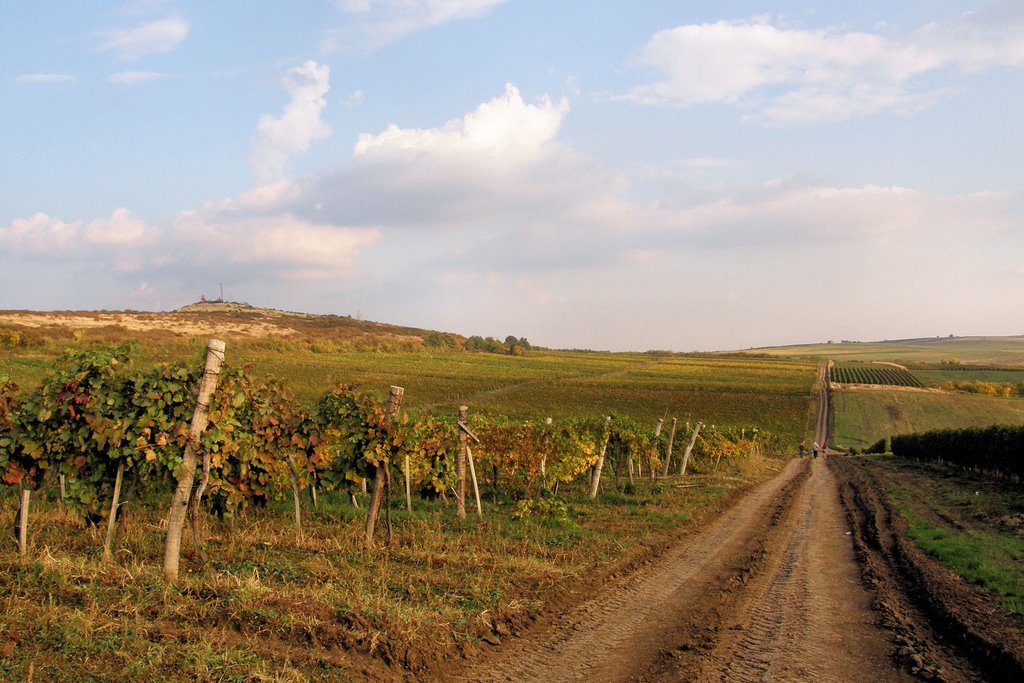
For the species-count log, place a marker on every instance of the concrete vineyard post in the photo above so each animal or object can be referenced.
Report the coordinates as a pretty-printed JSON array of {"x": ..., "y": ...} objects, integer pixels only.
[
  {"x": 108, "y": 543},
  {"x": 689, "y": 448},
  {"x": 460, "y": 464},
  {"x": 596, "y": 482},
  {"x": 26, "y": 496},
  {"x": 380, "y": 479},
  {"x": 186, "y": 477},
  {"x": 668, "y": 451}
]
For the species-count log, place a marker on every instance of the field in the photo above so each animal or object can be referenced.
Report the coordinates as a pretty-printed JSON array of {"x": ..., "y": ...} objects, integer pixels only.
[
  {"x": 1000, "y": 351},
  {"x": 441, "y": 587},
  {"x": 312, "y": 354},
  {"x": 268, "y": 603},
  {"x": 862, "y": 417},
  {"x": 873, "y": 373}
]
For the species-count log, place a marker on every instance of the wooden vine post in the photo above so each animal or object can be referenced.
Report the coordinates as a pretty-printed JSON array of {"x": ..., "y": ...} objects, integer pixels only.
[
  {"x": 460, "y": 463},
  {"x": 186, "y": 477},
  {"x": 380, "y": 478},
  {"x": 689, "y": 448},
  {"x": 668, "y": 451},
  {"x": 476, "y": 486},
  {"x": 108, "y": 543},
  {"x": 596, "y": 481},
  {"x": 657, "y": 434},
  {"x": 546, "y": 444},
  {"x": 26, "y": 496}
]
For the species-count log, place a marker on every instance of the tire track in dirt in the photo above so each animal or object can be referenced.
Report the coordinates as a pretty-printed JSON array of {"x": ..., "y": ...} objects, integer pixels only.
[
  {"x": 806, "y": 616},
  {"x": 620, "y": 632}
]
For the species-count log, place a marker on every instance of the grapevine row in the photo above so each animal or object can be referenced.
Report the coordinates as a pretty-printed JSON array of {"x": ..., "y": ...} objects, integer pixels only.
[{"x": 96, "y": 413}]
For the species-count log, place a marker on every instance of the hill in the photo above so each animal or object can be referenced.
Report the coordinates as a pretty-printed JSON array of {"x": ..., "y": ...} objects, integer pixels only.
[{"x": 975, "y": 350}]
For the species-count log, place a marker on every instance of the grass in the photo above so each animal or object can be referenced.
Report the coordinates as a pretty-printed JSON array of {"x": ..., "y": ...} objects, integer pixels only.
[
  {"x": 863, "y": 416},
  {"x": 271, "y": 606},
  {"x": 971, "y": 524}
]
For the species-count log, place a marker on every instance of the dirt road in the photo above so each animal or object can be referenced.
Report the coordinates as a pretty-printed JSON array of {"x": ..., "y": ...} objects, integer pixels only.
[{"x": 770, "y": 590}]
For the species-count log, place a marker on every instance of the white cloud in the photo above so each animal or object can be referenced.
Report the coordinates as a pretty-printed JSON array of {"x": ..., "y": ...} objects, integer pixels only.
[
  {"x": 39, "y": 234},
  {"x": 375, "y": 23},
  {"x": 288, "y": 247},
  {"x": 793, "y": 76},
  {"x": 134, "y": 77},
  {"x": 116, "y": 242},
  {"x": 45, "y": 78},
  {"x": 504, "y": 126},
  {"x": 277, "y": 138},
  {"x": 119, "y": 230},
  {"x": 155, "y": 37}
]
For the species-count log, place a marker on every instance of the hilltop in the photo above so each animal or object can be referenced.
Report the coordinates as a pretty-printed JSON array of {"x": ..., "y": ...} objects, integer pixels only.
[{"x": 223, "y": 319}]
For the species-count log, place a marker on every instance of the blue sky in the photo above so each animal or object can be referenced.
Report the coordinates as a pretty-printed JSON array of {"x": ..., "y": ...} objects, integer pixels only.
[{"x": 629, "y": 176}]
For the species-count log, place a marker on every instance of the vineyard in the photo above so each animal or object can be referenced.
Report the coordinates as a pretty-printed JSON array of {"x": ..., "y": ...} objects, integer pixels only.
[
  {"x": 878, "y": 374},
  {"x": 991, "y": 450},
  {"x": 349, "y": 486}
]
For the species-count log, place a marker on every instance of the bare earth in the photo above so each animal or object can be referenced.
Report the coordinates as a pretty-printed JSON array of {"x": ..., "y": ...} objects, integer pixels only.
[
  {"x": 769, "y": 591},
  {"x": 776, "y": 589}
]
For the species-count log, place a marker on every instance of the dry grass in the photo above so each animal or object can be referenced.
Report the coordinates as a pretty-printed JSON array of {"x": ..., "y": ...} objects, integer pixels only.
[{"x": 269, "y": 605}]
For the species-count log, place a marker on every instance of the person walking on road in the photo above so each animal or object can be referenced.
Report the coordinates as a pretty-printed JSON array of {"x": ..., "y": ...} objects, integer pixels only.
[
  {"x": 814, "y": 449},
  {"x": 803, "y": 449}
]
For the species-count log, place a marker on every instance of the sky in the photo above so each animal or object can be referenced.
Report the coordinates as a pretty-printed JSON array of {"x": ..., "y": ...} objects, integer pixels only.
[{"x": 634, "y": 175}]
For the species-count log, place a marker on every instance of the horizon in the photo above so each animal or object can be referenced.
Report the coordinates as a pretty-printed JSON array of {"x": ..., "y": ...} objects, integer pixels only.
[{"x": 651, "y": 176}]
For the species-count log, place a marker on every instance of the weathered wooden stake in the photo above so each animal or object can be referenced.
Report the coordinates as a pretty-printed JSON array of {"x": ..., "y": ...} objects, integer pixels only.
[
  {"x": 544, "y": 454},
  {"x": 657, "y": 433},
  {"x": 26, "y": 496},
  {"x": 596, "y": 482},
  {"x": 460, "y": 465},
  {"x": 186, "y": 477},
  {"x": 380, "y": 479},
  {"x": 295, "y": 495},
  {"x": 668, "y": 451},
  {"x": 108, "y": 543},
  {"x": 472, "y": 474},
  {"x": 408, "y": 487},
  {"x": 689, "y": 448}
]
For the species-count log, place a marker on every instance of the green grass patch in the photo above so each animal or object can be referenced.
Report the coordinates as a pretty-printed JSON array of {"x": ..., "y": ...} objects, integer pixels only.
[{"x": 989, "y": 560}]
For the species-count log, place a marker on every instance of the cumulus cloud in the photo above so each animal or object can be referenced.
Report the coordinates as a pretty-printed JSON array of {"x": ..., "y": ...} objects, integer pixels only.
[
  {"x": 39, "y": 234},
  {"x": 45, "y": 78},
  {"x": 134, "y": 77},
  {"x": 505, "y": 126},
  {"x": 154, "y": 37},
  {"x": 285, "y": 246},
  {"x": 115, "y": 242},
  {"x": 374, "y": 23},
  {"x": 497, "y": 161},
  {"x": 794, "y": 76},
  {"x": 278, "y": 137}
]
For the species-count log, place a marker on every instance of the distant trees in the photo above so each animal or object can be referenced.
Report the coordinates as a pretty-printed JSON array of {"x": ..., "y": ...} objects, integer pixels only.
[{"x": 511, "y": 345}]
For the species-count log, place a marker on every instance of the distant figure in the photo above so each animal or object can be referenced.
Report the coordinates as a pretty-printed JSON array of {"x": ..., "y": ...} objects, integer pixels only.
[
  {"x": 814, "y": 449},
  {"x": 803, "y": 449}
]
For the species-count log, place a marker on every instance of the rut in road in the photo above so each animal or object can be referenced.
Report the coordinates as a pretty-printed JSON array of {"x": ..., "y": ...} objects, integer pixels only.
[
  {"x": 615, "y": 635},
  {"x": 768, "y": 591},
  {"x": 807, "y": 616}
]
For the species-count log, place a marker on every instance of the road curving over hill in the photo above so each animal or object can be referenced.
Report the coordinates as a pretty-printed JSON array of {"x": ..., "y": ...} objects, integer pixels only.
[{"x": 770, "y": 590}]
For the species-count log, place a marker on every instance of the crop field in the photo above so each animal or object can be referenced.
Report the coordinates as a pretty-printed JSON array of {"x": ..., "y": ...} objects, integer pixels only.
[
  {"x": 863, "y": 417},
  {"x": 999, "y": 351},
  {"x": 873, "y": 373},
  {"x": 257, "y": 589}
]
